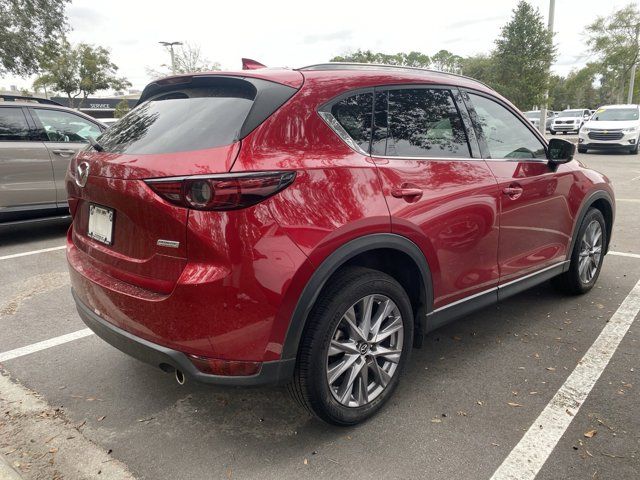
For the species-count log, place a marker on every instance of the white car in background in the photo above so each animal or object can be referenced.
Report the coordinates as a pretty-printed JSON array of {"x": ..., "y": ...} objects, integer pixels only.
[
  {"x": 534, "y": 117},
  {"x": 611, "y": 127},
  {"x": 570, "y": 120}
]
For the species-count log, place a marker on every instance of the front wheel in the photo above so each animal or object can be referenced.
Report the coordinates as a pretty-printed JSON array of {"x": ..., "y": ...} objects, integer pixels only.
[
  {"x": 552, "y": 132},
  {"x": 354, "y": 347},
  {"x": 587, "y": 255},
  {"x": 582, "y": 150},
  {"x": 634, "y": 150}
]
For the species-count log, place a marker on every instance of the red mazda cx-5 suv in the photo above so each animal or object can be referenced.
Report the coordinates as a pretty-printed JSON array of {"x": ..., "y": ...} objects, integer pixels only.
[{"x": 308, "y": 227}]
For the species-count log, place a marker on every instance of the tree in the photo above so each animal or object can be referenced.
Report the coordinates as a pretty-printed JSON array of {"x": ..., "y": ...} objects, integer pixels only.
[
  {"x": 29, "y": 32},
  {"x": 524, "y": 52},
  {"x": 615, "y": 42},
  {"x": 446, "y": 61},
  {"x": 122, "y": 108},
  {"x": 411, "y": 59},
  {"x": 187, "y": 59},
  {"x": 80, "y": 71},
  {"x": 480, "y": 67}
]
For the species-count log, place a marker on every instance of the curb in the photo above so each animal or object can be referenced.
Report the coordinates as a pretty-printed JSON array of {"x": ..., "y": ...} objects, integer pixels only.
[{"x": 6, "y": 470}]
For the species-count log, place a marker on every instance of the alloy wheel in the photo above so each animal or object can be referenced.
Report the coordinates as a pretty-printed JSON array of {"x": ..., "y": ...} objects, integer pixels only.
[
  {"x": 365, "y": 350},
  {"x": 590, "y": 252}
]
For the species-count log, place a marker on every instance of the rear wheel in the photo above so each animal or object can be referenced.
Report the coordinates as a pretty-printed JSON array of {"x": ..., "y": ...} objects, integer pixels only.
[
  {"x": 587, "y": 255},
  {"x": 354, "y": 349}
]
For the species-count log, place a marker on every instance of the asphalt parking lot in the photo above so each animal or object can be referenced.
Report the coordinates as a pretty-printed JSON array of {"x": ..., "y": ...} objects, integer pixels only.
[{"x": 466, "y": 401}]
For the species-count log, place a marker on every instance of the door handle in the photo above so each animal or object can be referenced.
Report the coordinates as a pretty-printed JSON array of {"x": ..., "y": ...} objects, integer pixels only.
[
  {"x": 411, "y": 194},
  {"x": 63, "y": 152},
  {"x": 513, "y": 191}
]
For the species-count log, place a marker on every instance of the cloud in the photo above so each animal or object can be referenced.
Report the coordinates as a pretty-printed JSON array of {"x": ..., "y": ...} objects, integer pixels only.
[
  {"x": 475, "y": 21},
  {"x": 341, "y": 35}
]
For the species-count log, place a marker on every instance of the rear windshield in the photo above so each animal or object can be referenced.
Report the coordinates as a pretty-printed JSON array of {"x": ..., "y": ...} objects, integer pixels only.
[
  {"x": 183, "y": 119},
  {"x": 615, "y": 114}
]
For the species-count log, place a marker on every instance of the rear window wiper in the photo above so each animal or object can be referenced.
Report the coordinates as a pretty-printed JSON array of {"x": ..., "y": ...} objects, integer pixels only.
[{"x": 96, "y": 146}]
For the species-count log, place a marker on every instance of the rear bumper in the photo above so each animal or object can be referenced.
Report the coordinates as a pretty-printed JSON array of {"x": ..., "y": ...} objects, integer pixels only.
[{"x": 275, "y": 372}]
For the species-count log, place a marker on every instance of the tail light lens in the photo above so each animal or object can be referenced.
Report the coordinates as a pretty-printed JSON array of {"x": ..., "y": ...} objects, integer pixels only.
[{"x": 221, "y": 192}]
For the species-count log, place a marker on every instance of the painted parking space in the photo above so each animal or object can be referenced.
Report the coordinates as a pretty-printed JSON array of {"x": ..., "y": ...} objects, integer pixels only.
[{"x": 467, "y": 399}]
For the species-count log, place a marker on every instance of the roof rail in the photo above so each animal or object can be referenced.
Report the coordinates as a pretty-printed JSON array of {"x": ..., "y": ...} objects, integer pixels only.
[
  {"x": 373, "y": 66},
  {"x": 44, "y": 101}
]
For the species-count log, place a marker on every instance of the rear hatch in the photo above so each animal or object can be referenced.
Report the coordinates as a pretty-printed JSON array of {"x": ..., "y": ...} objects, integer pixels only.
[{"x": 183, "y": 126}]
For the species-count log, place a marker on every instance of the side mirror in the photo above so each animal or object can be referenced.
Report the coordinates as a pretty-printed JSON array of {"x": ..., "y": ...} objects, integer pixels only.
[{"x": 560, "y": 151}]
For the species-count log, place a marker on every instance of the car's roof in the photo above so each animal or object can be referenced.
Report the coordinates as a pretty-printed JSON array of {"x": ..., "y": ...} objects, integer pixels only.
[
  {"x": 27, "y": 103},
  {"x": 620, "y": 105},
  {"x": 386, "y": 74}
]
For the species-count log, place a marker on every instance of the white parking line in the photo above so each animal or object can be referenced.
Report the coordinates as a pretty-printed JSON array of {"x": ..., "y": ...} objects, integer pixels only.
[
  {"x": 32, "y": 252},
  {"x": 52, "y": 342},
  {"x": 529, "y": 455},
  {"x": 627, "y": 199},
  {"x": 625, "y": 254}
]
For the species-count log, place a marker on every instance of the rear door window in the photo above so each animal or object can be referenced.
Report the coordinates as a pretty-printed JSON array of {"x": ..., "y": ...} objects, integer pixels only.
[
  {"x": 183, "y": 119},
  {"x": 13, "y": 125},
  {"x": 418, "y": 122}
]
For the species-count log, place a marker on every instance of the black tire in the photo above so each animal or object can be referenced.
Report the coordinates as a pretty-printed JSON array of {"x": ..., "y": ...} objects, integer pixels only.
[
  {"x": 552, "y": 132},
  {"x": 310, "y": 386},
  {"x": 570, "y": 281},
  {"x": 634, "y": 150},
  {"x": 582, "y": 150}
]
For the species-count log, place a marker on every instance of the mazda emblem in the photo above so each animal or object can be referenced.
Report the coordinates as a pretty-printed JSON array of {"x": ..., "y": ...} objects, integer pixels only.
[{"x": 82, "y": 174}]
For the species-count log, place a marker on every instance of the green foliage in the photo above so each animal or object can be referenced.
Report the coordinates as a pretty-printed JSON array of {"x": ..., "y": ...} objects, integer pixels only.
[
  {"x": 411, "y": 59},
  {"x": 80, "y": 71},
  {"x": 480, "y": 67},
  {"x": 614, "y": 40},
  {"x": 446, "y": 61},
  {"x": 122, "y": 108},
  {"x": 522, "y": 58},
  {"x": 29, "y": 31}
]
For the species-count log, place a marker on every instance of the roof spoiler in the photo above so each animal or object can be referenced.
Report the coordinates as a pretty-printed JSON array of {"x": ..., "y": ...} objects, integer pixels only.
[{"x": 248, "y": 64}]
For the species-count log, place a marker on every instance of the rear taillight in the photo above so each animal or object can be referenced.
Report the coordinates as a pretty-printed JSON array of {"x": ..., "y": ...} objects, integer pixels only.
[{"x": 221, "y": 192}]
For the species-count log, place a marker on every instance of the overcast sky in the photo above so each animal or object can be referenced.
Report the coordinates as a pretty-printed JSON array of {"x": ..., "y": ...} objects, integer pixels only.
[{"x": 298, "y": 33}]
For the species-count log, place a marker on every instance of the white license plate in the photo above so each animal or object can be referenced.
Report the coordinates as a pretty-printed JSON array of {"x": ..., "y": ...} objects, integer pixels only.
[{"x": 100, "y": 223}]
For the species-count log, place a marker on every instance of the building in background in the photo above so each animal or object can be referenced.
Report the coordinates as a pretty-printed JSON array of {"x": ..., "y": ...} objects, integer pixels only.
[{"x": 101, "y": 107}]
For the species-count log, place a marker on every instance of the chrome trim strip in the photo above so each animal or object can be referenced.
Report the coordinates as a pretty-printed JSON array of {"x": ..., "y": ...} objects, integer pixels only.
[
  {"x": 465, "y": 299},
  {"x": 460, "y": 159},
  {"x": 533, "y": 274},
  {"x": 493, "y": 289},
  {"x": 334, "y": 125}
]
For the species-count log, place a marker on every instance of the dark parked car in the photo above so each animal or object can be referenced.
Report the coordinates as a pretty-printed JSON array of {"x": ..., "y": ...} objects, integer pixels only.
[
  {"x": 310, "y": 226},
  {"x": 38, "y": 137}
]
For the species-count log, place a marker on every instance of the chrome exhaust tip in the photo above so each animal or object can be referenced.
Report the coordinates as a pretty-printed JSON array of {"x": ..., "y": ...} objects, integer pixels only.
[{"x": 180, "y": 378}]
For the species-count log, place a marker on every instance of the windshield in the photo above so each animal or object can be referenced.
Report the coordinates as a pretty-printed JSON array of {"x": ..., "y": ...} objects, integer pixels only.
[
  {"x": 571, "y": 113},
  {"x": 615, "y": 114}
]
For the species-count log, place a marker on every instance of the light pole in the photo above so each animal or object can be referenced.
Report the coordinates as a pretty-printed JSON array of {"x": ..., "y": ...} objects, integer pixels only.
[
  {"x": 170, "y": 45},
  {"x": 633, "y": 69},
  {"x": 543, "y": 111}
]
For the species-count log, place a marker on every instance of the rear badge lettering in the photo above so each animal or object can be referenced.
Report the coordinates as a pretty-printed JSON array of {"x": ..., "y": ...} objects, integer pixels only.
[{"x": 168, "y": 243}]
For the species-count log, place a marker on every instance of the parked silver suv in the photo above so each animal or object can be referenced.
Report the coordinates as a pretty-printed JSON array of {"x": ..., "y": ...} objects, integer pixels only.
[{"x": 38, "y": 138}]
